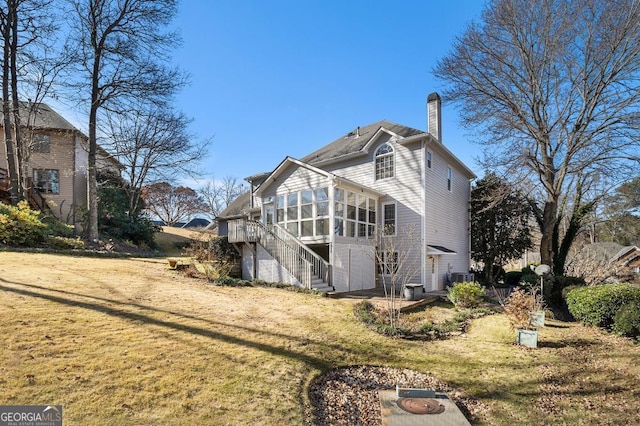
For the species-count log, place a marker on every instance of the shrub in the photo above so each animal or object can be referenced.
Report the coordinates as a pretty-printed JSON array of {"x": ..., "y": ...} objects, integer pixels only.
[
  {"x": 21, "y": 226},
  {"x": 627, "y": 320},
  {"x": 64, "y": 243},
  {"x": 466, "y": 294},
  {"x": 512, "y": 278},
  {"x": 568, "y": 289},
  {"x": 558, "y": 283},
  {"x": 518, "y": 307},
  {"x": 598, "y": 305}
]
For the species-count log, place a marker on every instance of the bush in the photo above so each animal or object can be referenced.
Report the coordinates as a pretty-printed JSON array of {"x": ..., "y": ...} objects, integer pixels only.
[
  {"x": 466, "y": 294},
  {"x": 64, "y": 243},
  {"x": 519, "y": 306},
  {"x": 568, "y": 289},
  {"x": 512, "y": 278},
  {"x": 627, "y": 320},
  {"x": 598, "y": 305},
  {"x": 21, "y": 226},
  {"x": 558, "y": 284}
]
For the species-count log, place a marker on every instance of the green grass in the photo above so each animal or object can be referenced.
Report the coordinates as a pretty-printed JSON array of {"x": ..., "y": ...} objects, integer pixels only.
[{"x": 127, "y": 341}]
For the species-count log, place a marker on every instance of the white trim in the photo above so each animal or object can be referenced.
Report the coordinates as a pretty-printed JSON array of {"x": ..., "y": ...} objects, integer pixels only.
[
  {"x": 391, "y": 154},
  {"x": 395, "y": 219}
]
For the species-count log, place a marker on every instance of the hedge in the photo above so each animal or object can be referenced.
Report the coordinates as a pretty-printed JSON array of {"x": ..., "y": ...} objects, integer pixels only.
[{"x": 598, "y": 305}]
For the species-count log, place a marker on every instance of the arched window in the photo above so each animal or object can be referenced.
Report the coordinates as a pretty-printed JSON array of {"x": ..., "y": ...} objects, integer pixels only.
[{"x": 384, "y": 162}]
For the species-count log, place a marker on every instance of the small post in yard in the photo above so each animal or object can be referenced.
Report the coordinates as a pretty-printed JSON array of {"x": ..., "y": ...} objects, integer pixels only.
[{"x": 540, "y": 271}]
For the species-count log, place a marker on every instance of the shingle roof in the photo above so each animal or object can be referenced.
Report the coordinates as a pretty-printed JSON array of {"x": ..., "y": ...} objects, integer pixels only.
[
  {"x": 356, "y": 140},
  {"x": 42, "y": 116}
]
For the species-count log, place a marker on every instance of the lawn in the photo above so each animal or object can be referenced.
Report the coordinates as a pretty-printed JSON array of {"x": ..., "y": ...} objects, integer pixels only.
[{"x": 127, "y": 341}]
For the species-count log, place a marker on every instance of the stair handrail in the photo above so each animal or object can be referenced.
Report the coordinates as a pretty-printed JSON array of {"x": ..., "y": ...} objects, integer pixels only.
[
  {"x": 295, "y": 256},
  {"x": 320, "y": 267},
  {"x": 246, "y": 230}
]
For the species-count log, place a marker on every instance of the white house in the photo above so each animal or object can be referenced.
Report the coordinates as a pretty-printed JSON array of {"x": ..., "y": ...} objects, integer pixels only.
[{"x": 311, "y": 222}]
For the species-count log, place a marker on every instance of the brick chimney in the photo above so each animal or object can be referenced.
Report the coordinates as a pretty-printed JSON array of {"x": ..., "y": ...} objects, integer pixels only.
[{"x": 434, "y": 123}]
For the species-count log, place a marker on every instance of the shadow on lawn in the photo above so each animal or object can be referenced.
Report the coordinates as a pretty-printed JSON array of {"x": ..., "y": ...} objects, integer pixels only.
[{"x": 310, "y": 360}]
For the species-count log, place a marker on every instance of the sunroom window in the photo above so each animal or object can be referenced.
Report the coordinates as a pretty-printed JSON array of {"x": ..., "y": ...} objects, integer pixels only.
[
  {"x": 355, "y": 214},
  {"x": 304, "y": 213}
]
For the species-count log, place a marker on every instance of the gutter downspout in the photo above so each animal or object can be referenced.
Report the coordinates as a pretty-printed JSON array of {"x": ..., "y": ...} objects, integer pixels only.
[{"x": 423, "y": 178}]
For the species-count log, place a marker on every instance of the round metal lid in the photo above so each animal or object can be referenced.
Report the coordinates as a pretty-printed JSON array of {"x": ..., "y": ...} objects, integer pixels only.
[{"x": 421, "y": 405}]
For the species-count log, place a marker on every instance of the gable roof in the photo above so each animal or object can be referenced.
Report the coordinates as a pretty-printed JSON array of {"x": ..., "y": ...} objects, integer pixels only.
[
  {"x": 633, "y": 251},
  {"x": 356, "y": 141},
  {"x": 238, "y": 207},
  {"x": 42, "y": 116},
  {"x": 289, "y": 161}
]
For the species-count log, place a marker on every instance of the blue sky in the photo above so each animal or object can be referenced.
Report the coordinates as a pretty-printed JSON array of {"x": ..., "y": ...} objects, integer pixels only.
[{"x": 276, "y": 78}]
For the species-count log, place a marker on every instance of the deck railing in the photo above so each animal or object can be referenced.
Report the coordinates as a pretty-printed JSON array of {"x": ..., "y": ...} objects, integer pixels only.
[
  {"x": 35, "y": 198},
  {"x": 292, "y": 254}
]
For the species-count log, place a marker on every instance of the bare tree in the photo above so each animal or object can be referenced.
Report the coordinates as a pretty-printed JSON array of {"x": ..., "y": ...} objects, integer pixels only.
[
  {"x": 30, "y": 64},
  {"x": 153, "y": 144},
  {"x": 398, "y": 264},
  {"x": 170, "y": 203},
  {"x": 593, "y": 263},
  {"x": 217, "y": 195},
  {"x": 122, "y": 50},
  {"x": 553, "y": 88}
]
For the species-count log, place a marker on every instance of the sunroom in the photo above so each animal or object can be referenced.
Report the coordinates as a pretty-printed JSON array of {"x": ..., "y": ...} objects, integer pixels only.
[{"x": 306, "y": 208}]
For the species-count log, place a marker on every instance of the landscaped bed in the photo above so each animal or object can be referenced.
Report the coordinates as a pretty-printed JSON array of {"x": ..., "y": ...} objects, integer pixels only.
[{"x": 128, "y": 341}]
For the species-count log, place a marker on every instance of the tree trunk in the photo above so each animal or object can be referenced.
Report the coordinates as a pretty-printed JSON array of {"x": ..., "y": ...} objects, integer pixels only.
[
  {"x": 92, "y": 181},
  {"x": 20, "y": 179},
  {"x": 549, "y": 220},
  {"x": 6, "y": 110}
]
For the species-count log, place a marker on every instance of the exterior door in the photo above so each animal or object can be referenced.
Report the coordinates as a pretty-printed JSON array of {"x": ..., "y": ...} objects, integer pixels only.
[{"x": 435, "y": 285}]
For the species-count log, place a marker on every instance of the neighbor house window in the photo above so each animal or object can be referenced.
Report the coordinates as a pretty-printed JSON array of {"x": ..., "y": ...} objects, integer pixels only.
[
  {"x": 384, "y": 162},
  {"x": 389, "y": 218},
  {"x": 47, "y": 180},
  {"x": 41, "y": 143},
  {"x": 449, "y": 178},
  {"x": 388, "y": 262},
  {"x": 429, "y": 159}
]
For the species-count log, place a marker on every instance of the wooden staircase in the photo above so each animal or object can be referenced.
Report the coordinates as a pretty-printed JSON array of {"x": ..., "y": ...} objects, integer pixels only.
[
  {"x": 35, "y": 198},
  {"x": 301, "y": 262}
]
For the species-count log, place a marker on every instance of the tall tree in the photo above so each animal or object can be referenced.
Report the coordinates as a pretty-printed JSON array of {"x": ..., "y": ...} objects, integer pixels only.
[
  {"x": 500, "y": 220},
  {"x": 620, "y": 215},
  {"x": 553, "y": 88},
  {"x": 31, "y": 63},
  {"x": 172, "y": 204},
  {"x": 122, "y": 50},
  {"x": 153, "y": 144},
  {"x": 7, "y": 19}
]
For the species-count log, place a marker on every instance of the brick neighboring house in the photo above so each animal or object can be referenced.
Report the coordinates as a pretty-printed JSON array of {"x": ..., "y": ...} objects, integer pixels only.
[
  {"x": 57, "y": 167},
  {"x": 310, "y": 222}
]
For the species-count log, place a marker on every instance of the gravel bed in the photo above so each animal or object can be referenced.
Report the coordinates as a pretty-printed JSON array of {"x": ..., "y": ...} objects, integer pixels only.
[{"x": 349, "y": 396}]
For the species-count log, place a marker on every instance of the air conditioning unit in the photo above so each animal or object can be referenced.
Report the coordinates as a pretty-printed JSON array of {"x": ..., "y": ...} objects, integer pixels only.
[{"x": 460, "y": 277}]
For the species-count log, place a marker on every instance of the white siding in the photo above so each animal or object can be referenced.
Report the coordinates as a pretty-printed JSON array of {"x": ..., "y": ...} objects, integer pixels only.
[
  {"x": 353, "y": 267},
  {"x": 447, "y": 216},
  {"x": 295, "y": 179},
  {"x": 269, "y": 270},
  {"x": 404, "y": 189}
]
